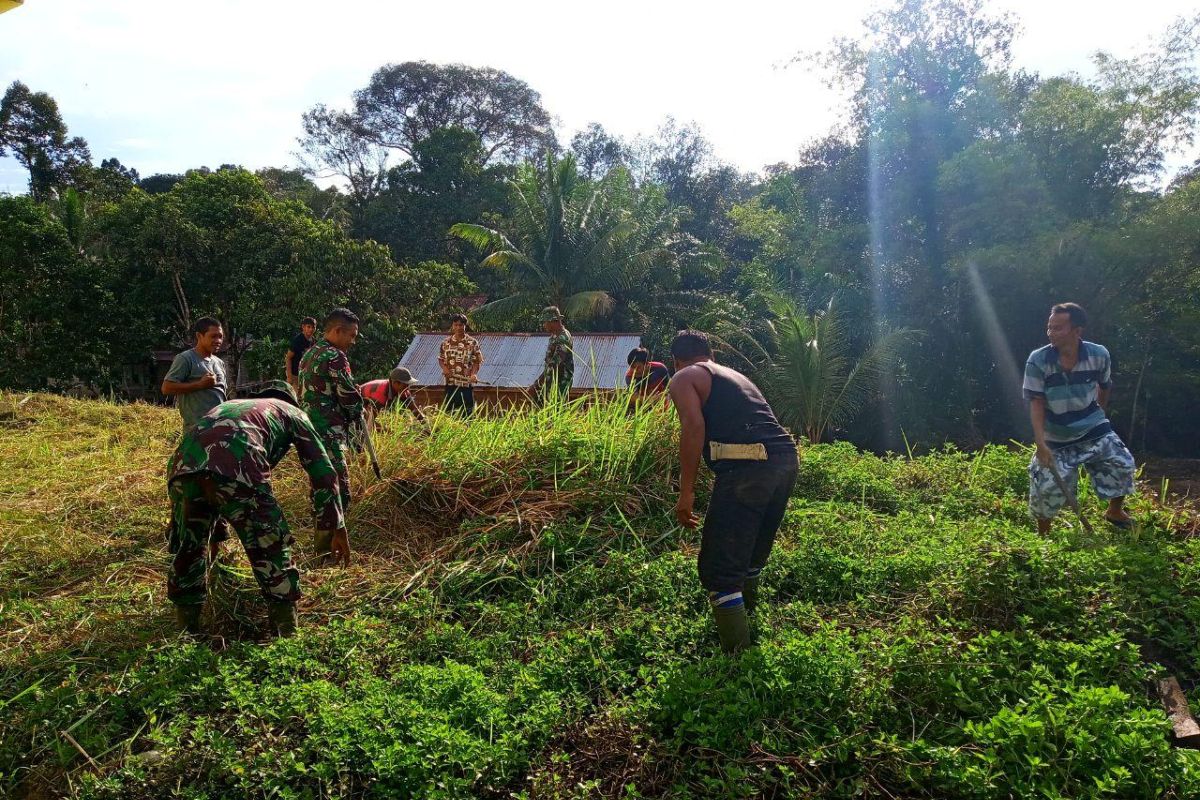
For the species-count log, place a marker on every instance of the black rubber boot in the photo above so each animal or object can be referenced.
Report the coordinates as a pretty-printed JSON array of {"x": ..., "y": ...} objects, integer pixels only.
[
  {"x": 188, "y": 618},
  {"x": 733, "y": 627},
  {"x": 283, "y": 618},
  {"x": 750, "y": 594}
]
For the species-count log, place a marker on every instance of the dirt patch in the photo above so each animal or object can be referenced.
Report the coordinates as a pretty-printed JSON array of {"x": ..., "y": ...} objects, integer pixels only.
[
  {"x": 601, "y": 759},
  {"x": 1180, "y": 477}
]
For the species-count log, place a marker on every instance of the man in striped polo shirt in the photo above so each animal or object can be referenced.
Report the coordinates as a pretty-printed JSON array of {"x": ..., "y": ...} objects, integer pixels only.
[{"x": 1067, "y": 384}]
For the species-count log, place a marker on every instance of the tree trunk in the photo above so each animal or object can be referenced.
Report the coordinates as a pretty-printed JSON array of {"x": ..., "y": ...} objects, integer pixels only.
[
  {"x": 185, "y": 312},
  {"x": 1137, "y": 390}
]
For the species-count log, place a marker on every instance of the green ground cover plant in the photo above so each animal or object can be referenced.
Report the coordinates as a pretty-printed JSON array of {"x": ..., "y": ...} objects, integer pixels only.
[{"x": 523, "y": 619}]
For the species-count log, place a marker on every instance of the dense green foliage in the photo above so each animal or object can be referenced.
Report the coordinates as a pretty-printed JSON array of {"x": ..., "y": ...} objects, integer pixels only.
[
  {"x": 917, "y": 637},
  {"x": 957, "y": 199},
  {"x": 87, "y": 292}
]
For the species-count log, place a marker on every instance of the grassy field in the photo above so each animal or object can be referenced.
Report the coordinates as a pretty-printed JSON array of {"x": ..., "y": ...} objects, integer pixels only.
[{"x": 523, "y": 619}]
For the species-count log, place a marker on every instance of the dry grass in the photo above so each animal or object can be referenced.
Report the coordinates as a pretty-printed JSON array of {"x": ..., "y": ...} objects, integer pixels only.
[{"x": 84, "y": 509}]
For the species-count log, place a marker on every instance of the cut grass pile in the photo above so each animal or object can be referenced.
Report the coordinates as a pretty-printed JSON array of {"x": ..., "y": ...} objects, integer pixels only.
[{"x": 523, "y": 619}]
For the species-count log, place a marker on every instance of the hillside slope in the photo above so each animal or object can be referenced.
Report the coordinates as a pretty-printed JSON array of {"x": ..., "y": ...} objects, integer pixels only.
[{"x": 522, "y": 618}]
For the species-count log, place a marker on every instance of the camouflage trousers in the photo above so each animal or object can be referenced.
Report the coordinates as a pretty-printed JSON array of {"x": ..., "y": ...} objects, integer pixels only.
[
  {"x": 336, "y": 445},
  {"x": 556, "y": 387},
  {"x": 196, "y": 503},
  {"x": 1106, "y": 460}
]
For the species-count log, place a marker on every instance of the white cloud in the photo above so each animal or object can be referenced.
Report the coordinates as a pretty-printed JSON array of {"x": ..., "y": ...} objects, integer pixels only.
[{"x": 166, "y": 86}]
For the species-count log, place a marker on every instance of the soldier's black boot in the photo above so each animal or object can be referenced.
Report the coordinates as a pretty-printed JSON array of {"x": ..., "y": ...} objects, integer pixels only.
[
  {"x": 729, "y": 611},
  {"x": 283, "y": 618},
  {"x": 188, "y": 618},
  {"x": 322, "y": 542}
]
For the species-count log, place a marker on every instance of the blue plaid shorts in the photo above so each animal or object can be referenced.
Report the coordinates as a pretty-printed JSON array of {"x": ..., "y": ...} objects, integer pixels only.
[{"x": 1107, "y": 461}]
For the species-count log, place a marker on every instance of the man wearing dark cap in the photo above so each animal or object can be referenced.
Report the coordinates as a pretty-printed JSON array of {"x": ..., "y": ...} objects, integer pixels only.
[
  {"x": 645, "y": 378},
  {"x": 222, "y": 468},
  {"x": 384, "y": 392},
  {"x": 724, "y": 418},
  {"x": 559, "y": 370}
]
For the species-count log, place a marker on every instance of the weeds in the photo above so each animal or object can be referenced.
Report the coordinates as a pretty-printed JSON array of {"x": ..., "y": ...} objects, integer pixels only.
[{"x": 523, "y": 619}]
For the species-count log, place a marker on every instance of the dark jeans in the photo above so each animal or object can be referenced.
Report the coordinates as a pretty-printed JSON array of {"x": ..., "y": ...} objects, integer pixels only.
[
  {"x": 460, "y": 398},
  {"x": 748, "y": 502}
]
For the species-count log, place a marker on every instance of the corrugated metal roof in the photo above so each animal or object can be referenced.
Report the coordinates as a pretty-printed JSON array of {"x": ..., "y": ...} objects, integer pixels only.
[{"x": 516, "y": 359}]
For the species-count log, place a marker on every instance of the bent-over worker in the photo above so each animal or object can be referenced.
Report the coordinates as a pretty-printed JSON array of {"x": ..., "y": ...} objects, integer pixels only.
[
  {"x": 724, "y": 418},
  {"x": 222, "y": 468}
]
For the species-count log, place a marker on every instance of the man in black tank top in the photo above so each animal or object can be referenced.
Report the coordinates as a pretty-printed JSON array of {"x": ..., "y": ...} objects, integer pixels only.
[{"x": 724, "y": 418}]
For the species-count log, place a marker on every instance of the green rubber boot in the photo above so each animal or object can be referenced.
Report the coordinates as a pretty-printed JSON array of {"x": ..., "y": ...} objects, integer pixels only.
[
  {"x": 283, "y": 618},
  {"x": 733, "y": 627},
  {"x": 750, "y": 594},
  {"x": 188, "y": 618}
]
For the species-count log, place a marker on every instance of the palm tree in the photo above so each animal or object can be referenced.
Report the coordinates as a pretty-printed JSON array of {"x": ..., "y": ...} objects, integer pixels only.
[
  {"x": 589, "y": 248},
  {"x": 804, "y": 366}
]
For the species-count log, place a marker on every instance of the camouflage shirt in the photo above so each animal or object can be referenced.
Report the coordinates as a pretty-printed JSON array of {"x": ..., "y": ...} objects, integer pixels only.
[
  {"x": 560, "y": 359},
  {"x": 243, "y": 440},
  {"x": 327, "y": 390}
]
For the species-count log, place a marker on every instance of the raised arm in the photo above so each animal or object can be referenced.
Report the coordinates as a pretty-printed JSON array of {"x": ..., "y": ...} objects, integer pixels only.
[{"x": 174, "y": 383}]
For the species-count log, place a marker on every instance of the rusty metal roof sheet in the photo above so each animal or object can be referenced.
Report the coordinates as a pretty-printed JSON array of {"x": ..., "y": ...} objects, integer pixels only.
[{"x": 516, "y": 359}]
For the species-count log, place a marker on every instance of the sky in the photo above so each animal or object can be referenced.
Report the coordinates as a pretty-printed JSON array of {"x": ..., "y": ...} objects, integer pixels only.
[{"x": 167, "y": 86}]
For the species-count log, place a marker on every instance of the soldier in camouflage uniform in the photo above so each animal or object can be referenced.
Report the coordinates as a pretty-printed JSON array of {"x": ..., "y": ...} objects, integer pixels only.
[
  {"x": 222, "y": 468},
  {"x": 560, "y": 358},
  {"x": 329, "y": 394}
]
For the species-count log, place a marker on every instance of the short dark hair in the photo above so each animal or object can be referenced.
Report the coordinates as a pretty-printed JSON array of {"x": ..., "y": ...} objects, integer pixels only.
[
  {"x": 202, "y": 325},
  {"x": 691, "y": 344},
  {"x": 340, "y": 316},
  {"x": 308, "y": 321},
  {"x": 639, "y": 354},
  {"x": 458, "y": 318},
  {"x": 1078, "y": 315}
]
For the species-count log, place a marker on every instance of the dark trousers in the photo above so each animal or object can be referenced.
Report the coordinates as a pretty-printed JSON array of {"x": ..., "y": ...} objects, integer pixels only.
[
  {"x": 460, "y": 399},
  {"x": 749, "y": 499}
]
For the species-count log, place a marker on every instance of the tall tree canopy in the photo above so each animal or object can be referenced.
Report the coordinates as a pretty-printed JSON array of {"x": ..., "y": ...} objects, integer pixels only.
[
  {"x": 32, "y": 130},
  {"x": 405, "y": 103}
]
